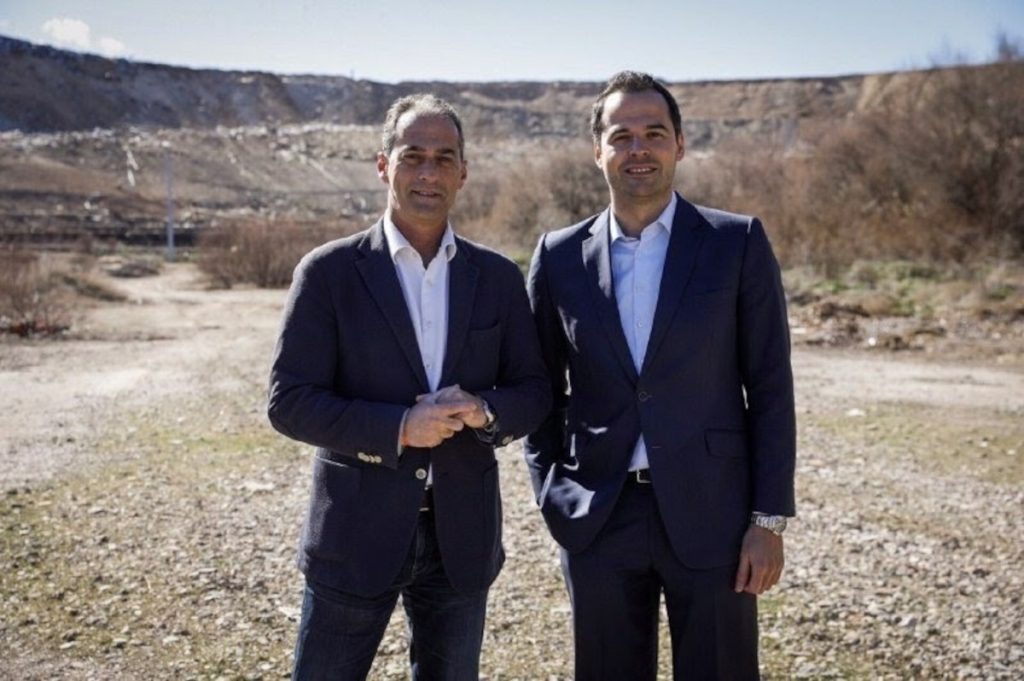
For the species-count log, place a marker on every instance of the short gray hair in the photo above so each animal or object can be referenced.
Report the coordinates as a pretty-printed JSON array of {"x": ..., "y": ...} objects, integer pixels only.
[{"x": 419, "y": 103}]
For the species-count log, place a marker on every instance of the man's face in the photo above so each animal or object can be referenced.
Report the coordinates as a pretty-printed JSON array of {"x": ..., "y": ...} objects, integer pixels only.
[
  {"x": 638, "y": 149},
  {"x": 424, "y": 170}
]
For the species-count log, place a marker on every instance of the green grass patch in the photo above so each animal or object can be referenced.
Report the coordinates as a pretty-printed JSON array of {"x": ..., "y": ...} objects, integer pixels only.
[
  {"x": 983, "y": 444},
  {"x": 177, "y": 557}
]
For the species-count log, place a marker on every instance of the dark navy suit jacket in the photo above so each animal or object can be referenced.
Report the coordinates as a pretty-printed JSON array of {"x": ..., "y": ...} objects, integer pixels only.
[
  {"x": 713, "y": 399},
  {"x": 347, "y": 366}
]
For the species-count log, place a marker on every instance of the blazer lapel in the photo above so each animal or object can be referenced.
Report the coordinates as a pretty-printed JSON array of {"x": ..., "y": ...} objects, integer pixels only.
[
  {"x": 462, "y": 277},
  {"x": 378, "y": 272},
  {"x": 679, "y": 261},
  {"x": 598, "y": 263}
]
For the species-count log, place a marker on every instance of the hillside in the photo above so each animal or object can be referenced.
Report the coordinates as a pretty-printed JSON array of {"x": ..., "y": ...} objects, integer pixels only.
[{"x": 86, "y": 142}]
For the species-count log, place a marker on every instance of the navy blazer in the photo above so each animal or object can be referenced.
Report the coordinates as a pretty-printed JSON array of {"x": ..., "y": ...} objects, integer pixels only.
[
  {"x": 713, "y": 399},
  {"x": 347, "y": 366}
]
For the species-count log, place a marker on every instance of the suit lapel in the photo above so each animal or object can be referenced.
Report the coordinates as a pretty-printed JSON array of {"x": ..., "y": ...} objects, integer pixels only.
[
  {"x": 462, "y": 277},
  {"x": 679, "y": 261},
  {"x": 598, "y": 263},
  {"x": 378, "y": 272}
]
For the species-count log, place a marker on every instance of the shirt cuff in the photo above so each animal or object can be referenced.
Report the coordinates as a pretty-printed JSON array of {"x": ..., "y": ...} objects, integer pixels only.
[{"x": 401, "y": 428}]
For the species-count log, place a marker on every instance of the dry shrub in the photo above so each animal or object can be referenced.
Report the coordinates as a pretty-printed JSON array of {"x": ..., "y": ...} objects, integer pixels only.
[
  {"x": 524, "y": 200},
  {"x": 30, "y": 298},
  {"x": 934, "y": 172},
  {"x": 260, "y": 252}
]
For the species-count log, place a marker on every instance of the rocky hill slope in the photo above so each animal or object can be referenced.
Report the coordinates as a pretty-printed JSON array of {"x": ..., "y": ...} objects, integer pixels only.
[{"x": 87, "y": 143}]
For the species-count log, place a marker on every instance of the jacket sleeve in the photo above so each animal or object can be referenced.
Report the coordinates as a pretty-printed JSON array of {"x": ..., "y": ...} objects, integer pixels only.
[
  {"x": 764, "y": 357},
  {"x": 547, "y": 444},
  {"x": 303, "y": 403},
  {"x": 521, "y": 397}
]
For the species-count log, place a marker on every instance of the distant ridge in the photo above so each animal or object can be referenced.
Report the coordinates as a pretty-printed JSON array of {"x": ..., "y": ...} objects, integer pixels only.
[{"x": 45, "y": 89}]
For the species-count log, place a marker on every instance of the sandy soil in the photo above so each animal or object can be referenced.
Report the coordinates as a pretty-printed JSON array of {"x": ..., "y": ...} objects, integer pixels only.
[
  {"x": 175, "y": 334},
  {"x": 171, "y": 337}
]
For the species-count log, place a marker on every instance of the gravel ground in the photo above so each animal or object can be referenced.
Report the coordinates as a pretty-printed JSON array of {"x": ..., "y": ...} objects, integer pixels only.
[{"x": 158, "y": 542}]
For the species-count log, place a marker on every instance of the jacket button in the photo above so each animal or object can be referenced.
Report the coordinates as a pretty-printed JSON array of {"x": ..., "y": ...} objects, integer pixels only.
[
  {"x": 362, "y": 456},
  {"x": 421, "y": 473},
  {"x": 505, "y": 440},
  {"x": 643, "y": 396}
]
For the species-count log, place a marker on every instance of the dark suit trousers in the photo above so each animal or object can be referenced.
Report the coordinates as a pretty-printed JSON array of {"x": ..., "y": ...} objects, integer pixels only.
[
  {"x": 339, "y": 632},
  {"x": 615, "y": 585}
]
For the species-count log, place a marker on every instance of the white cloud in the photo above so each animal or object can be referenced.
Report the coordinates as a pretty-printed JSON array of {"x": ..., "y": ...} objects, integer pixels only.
[
  {"x": 76, "y": 34},
  {"x": 110, "y": 47},
  {"x": 68, "y": 32},
  {"x": 5, "y": 24}
]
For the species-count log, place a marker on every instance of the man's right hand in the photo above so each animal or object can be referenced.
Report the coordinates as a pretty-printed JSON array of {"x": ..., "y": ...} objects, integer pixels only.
[{"x": 428, "y": 424}]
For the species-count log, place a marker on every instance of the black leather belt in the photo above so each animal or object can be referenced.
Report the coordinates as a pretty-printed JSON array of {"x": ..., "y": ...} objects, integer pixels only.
[
  {"x": 427, "y": 503},
  {"x": 639, "y": 477}
]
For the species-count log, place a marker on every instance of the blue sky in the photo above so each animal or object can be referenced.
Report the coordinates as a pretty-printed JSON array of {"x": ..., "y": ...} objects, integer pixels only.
[{"x": 389, "y": 41}]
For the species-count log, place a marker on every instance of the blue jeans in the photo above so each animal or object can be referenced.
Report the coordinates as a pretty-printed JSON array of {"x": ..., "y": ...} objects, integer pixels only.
[{"x": 339, "y": 632}]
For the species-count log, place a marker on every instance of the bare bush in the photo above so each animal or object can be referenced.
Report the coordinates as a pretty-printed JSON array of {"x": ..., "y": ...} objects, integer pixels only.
[
  {"x": 30, "y": 300},
  {"x": 935, "y": 172},
  {"x": 262, "y": 253}
]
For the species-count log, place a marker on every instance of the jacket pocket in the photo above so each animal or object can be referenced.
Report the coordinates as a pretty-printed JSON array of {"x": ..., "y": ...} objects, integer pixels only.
[
  {"x": 726, "y": 444},
  {"x": 334, "y": 498}
]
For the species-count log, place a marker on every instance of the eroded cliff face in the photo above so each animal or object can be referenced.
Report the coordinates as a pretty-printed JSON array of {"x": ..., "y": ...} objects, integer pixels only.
[
  {"x": 43, "y": 89},
  {"x": 85, "y": 141}
]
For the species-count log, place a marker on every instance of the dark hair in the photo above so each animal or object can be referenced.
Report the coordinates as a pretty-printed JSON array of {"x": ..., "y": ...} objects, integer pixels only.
[
  {"x": 421, "y": 104},
  {"x": 631, "y": 81}
]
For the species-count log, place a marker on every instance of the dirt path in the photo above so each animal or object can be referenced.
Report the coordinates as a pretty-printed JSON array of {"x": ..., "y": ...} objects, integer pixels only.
[{"x": 173, "y": 338}]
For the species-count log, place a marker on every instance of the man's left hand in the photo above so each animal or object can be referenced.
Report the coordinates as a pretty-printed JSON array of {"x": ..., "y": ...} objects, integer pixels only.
[
  {"x": 474, "y": 418},
  {"x": 761, "y": 561}
]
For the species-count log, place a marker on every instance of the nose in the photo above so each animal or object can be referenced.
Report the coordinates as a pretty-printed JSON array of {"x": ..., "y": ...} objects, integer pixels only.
[
  {"x": 637, "y": 147},
  {"x": 427, "y": 169}
]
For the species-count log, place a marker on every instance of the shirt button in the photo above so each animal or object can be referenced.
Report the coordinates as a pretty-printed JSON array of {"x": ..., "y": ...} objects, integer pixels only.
[{"x": 421, "y": 473}]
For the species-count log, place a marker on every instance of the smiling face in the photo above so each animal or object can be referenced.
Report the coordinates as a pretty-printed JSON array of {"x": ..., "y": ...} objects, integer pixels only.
[
  {"x": 424, "y": 171},
  {"x": 638, "y": 149}
]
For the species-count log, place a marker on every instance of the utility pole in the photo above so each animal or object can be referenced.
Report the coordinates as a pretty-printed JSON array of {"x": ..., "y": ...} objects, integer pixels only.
[{"x": 169, "y": 182}]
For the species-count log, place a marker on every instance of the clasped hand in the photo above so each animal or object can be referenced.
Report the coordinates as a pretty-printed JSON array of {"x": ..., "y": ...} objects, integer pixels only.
[{"x": 438, "y": 415}]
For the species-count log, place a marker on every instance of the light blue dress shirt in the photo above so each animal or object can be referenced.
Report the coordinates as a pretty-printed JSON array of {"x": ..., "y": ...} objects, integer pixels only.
[{"x": 637, "y": 265}]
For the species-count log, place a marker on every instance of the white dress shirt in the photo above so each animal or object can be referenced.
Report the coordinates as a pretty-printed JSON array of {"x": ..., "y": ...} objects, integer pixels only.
[
  {"x": 637, "y": 265},
  {"x": 426, "y": 297}
]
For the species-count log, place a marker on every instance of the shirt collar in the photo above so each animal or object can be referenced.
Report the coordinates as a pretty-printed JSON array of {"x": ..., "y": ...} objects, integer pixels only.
[
  {"x": 664, "y": 219},
  {"x": 398, "y": 243}
]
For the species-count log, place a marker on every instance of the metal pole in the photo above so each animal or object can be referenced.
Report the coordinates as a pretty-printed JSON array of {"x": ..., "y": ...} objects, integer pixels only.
[{"x": 168, "y": 181}]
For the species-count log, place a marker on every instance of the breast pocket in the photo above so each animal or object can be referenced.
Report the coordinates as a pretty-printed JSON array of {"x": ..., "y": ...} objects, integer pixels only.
[{"x": 481, "y": 358}]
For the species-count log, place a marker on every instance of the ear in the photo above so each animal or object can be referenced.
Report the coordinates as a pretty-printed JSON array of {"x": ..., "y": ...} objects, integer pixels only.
[
  {"x": 382, "y": 166},
  {"x": 682, "y": 147},
  {"x": 463, "y": 174},
  {"x": 597, "y": 154}
]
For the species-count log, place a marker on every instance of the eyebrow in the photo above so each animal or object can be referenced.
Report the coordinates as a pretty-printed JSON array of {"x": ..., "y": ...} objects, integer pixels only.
[
  {"x": 653, "y": 126},
  {"x": 444, "y": 151}
]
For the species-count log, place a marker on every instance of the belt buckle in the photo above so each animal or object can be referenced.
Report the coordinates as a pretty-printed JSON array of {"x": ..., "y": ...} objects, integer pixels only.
[
  {"x": 641, "y": 476},
  {"x": 427, "y": 503}
]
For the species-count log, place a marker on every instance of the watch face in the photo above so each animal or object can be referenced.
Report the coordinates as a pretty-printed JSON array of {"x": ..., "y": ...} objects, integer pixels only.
[{"x": 775, "y": 524}]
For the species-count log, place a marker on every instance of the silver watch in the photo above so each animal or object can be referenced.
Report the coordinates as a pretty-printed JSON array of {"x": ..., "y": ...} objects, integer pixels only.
[{"x": 776, "y": 524}]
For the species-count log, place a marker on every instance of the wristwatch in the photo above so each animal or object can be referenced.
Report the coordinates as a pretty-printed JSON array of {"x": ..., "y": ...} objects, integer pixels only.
[{"x": 776, "y": 524}]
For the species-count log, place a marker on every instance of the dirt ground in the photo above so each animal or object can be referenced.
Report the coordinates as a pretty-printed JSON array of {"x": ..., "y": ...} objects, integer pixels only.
[{"x": 149, "y": 515}]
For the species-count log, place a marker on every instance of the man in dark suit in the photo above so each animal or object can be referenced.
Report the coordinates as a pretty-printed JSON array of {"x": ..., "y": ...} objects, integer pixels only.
[
  {"x": 666, "y": 466},
  {"x": 405, "y": 355}
]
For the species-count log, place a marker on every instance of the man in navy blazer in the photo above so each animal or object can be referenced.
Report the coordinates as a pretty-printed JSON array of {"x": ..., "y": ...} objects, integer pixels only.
[
  {"x": 666, "y": 466},
  {"x": 405, "y": 356}
]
